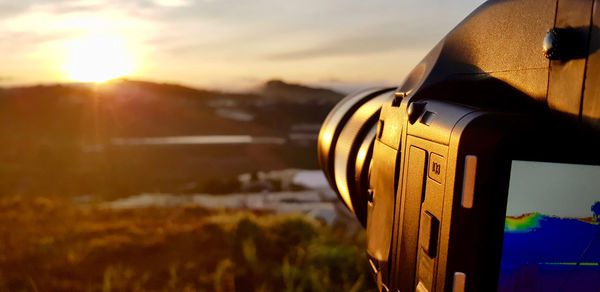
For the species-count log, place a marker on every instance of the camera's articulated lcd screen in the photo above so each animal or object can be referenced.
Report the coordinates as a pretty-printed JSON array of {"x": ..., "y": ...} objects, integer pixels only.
[{"x": 552, "y": 230}]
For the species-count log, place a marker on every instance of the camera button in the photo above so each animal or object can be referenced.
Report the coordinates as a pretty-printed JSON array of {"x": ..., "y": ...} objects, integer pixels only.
[
  {"x": 429, "y": 234},
  {"x": 414, "y": 111},
  {"x": 459, "y": 282},
  {"x": 436, "y": 168},
  {"x": 468, "y": 189},
  {"x": 427, "y": 118}
]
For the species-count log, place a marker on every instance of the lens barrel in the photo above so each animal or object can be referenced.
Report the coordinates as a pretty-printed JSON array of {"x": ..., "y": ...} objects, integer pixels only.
[{"x": 346, "y": 146}]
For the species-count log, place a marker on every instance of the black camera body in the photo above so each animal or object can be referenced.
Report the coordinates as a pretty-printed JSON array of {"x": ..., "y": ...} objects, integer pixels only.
[{"x": 428, "y": 167}]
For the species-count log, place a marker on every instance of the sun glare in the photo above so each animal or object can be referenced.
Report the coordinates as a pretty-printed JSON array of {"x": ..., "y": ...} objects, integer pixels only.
[{"x": 97, "y": 58}]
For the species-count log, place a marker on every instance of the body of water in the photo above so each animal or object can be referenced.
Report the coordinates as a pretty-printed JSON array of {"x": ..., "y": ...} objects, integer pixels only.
[{"x": 197, "y": 140}]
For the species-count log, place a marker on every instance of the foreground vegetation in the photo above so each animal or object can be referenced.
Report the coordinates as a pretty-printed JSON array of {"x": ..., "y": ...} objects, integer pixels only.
[{"x": 55, "y": 245}]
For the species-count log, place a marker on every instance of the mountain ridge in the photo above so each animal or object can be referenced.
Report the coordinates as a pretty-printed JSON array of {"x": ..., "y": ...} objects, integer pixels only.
[
  {"x": 58, "y": 139},
  {"x": 274, "y": 88}
]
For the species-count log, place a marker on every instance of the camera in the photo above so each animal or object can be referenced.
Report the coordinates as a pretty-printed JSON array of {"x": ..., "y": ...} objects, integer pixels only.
[{"x": 481, "y": 171}]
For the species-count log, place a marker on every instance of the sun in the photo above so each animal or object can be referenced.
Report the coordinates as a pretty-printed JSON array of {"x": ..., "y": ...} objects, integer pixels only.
[{"x": 97, "y": 58}]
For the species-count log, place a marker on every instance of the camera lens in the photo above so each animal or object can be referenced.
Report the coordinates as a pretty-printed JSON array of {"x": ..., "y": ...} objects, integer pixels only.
[{"x": 346, "y": 146}]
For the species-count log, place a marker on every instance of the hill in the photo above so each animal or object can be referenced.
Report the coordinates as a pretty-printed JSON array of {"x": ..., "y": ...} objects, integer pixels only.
[
  {"x": 81, "y": 138},
  {"x": 298, "y": 93}
]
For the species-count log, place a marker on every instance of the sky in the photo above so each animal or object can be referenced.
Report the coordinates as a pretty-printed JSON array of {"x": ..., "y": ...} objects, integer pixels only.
[
  {"x": 559, "y": 189},
  {"x": 224, "y": 44}
]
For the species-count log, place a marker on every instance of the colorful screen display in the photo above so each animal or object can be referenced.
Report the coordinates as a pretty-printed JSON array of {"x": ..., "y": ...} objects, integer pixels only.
[{"x": 552, "y": 230}]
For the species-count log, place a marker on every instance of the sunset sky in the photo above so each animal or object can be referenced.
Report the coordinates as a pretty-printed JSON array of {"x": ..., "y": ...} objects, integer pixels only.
[{"x": 224, "y": 44}]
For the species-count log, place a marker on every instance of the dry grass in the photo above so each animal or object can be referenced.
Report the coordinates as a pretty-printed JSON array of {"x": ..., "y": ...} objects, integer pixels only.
[{"x": 54, "y": 245}]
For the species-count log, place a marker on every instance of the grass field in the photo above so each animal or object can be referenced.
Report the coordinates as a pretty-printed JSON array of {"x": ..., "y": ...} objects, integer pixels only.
[{"x": 56, "y": 245}]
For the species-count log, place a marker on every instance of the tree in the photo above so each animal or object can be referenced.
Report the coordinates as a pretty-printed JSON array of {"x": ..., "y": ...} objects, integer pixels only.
[{"x": 596, "y": 211}]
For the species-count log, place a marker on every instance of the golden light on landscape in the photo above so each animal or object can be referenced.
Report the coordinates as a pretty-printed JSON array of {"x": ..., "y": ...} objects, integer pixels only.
[{"x": 97, "y": 58}]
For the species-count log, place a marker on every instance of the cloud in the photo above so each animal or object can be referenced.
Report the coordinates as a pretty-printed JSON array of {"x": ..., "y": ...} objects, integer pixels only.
[
  {"x": 16, "y": 8},
  {"x": 172, "y": 3},
  {"x": 13, "y": 8},
  {"x": 22, "y": 40},
  {"x": 356, "y": 45},
  {"x": 225, "y": 37}
]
